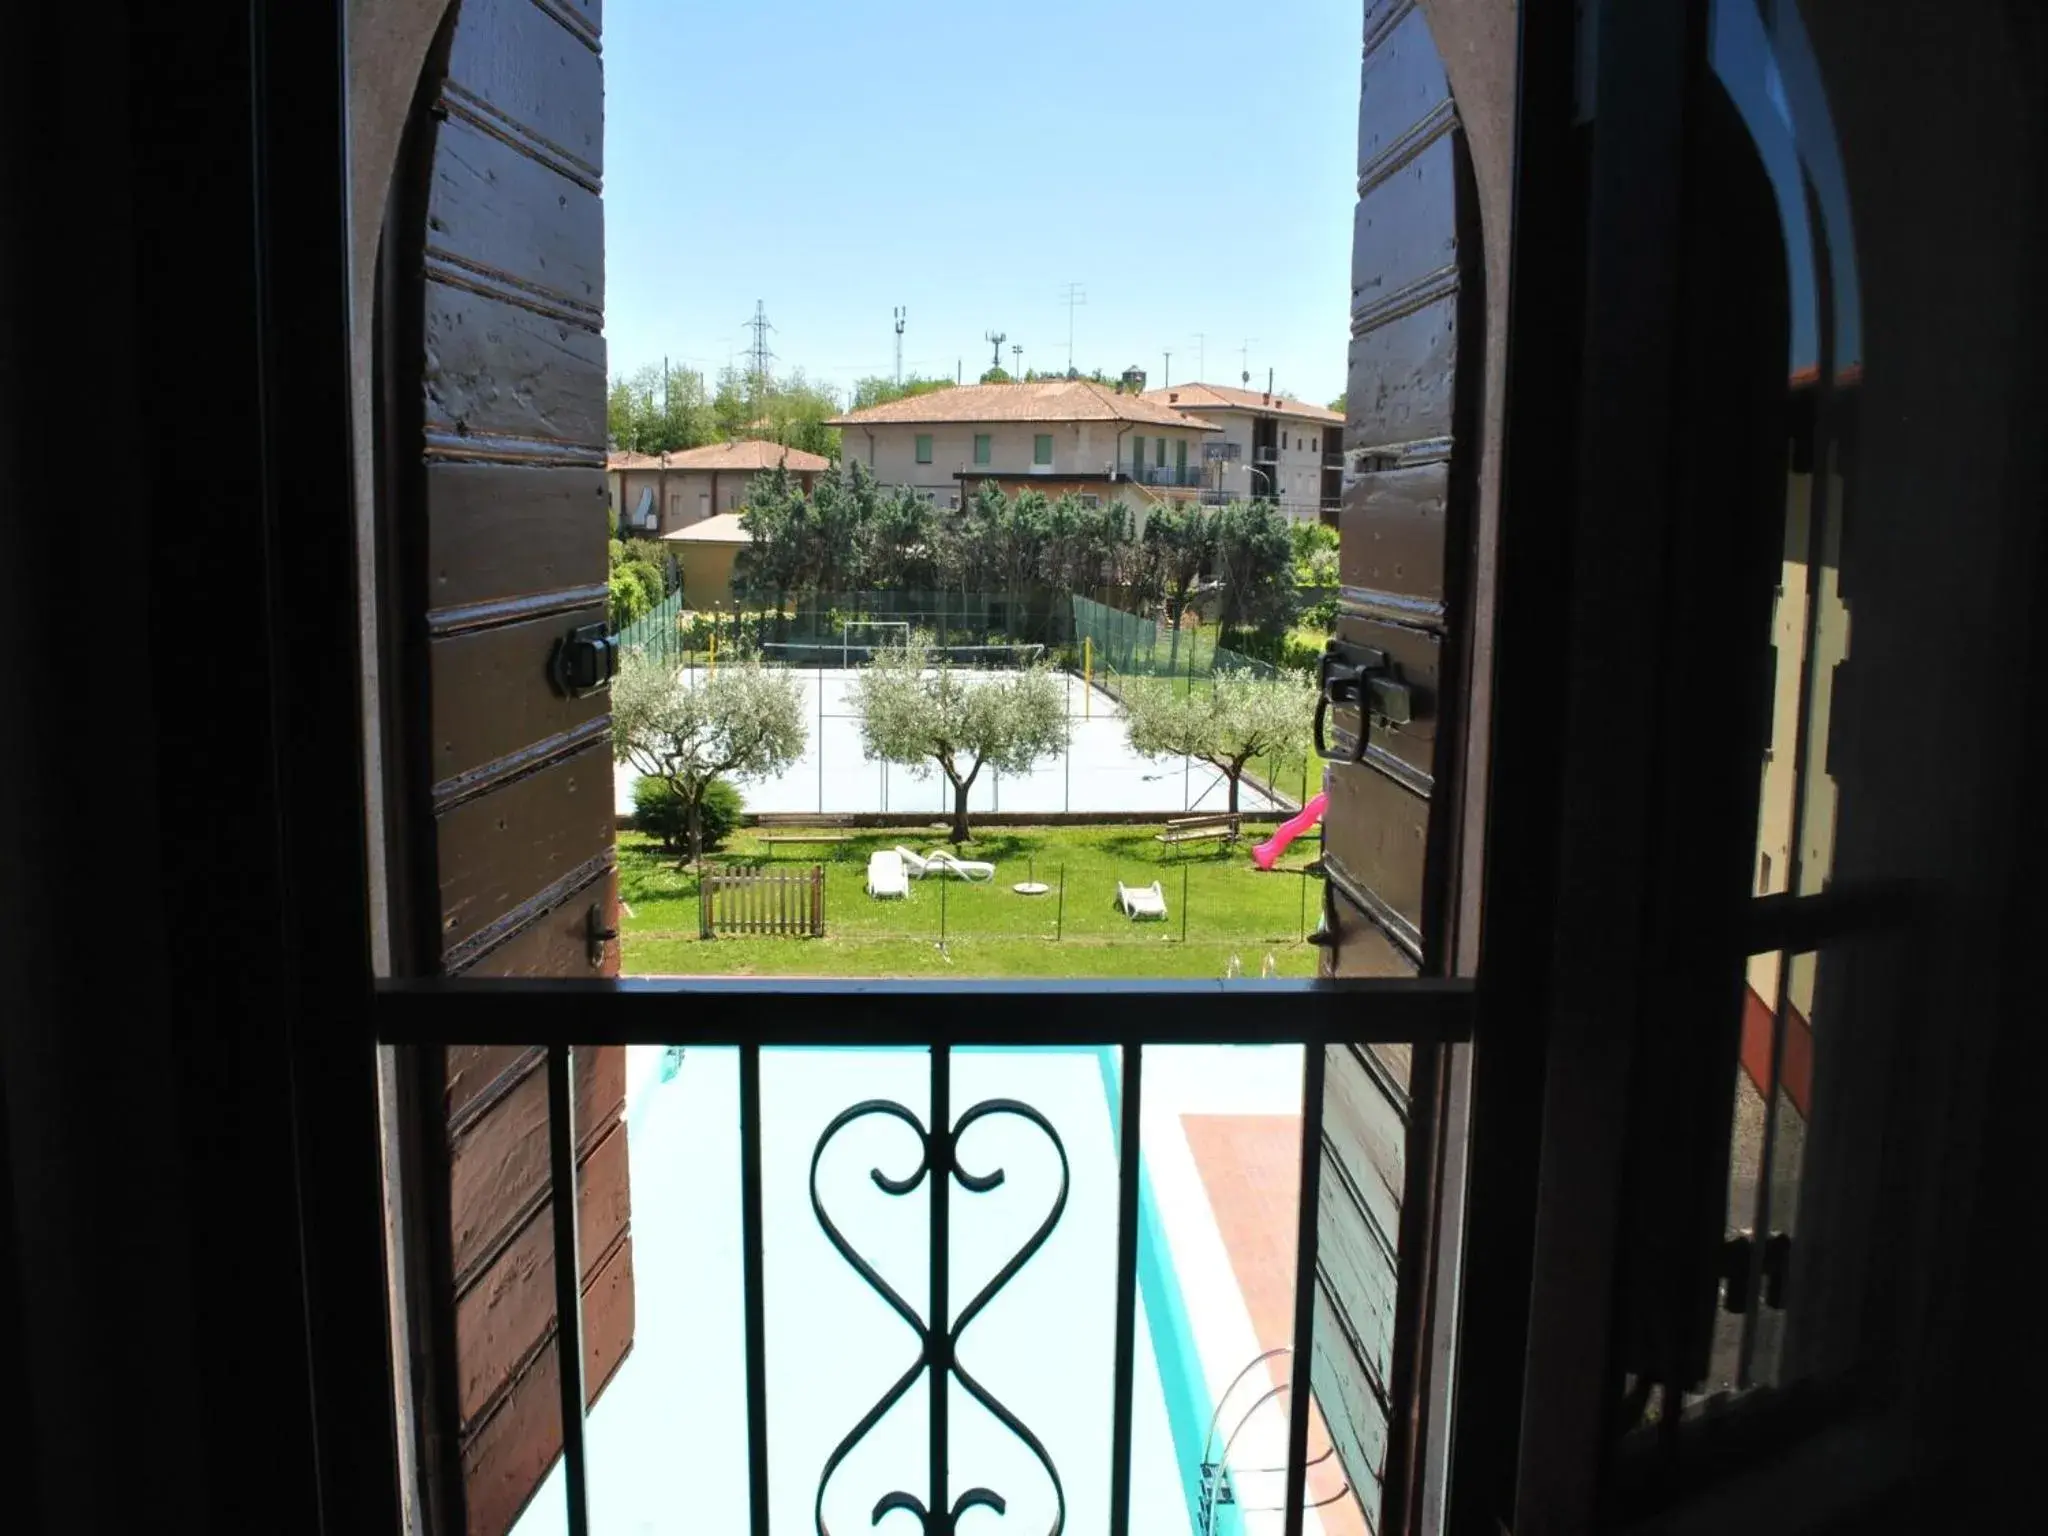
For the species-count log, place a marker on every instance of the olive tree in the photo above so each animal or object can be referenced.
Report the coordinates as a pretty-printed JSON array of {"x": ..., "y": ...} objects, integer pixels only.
[
  {"x": 1245, "y": 716},
  {"x": 919, "y": 716},
  {"x": 688, "y": 729}
]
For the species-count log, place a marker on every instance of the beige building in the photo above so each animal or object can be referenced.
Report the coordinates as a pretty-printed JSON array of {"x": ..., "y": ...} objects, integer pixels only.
[
  {"x": 706, "y": 551},
  {"x": 1269, "y": 447},
  {"x": 659, "y": 493},
  {"x": 1058, "y": 436}
]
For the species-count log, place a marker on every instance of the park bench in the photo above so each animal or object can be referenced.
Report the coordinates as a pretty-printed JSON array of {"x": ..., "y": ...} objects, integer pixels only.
[{"x": 1194, "y": 829}]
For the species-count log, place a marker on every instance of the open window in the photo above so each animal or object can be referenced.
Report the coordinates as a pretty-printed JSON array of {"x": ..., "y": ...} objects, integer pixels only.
[{"x": 493, "y": 455}]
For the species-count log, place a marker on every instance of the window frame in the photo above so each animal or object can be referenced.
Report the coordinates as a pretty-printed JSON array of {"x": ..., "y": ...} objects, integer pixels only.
[
  {"x": 1041, "y": 450},
  {"x": 984, "y": 448},
  {"x": 921, "y": 447}
]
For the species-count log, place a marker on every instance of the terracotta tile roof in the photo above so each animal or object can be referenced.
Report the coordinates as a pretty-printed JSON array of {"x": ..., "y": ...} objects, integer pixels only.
[
  {"x": 1052, "y": 400},
  {"x": 747, "y": 453},
  {"x": 723, "y": 529},
  {"x": 1219, "y": 397}
]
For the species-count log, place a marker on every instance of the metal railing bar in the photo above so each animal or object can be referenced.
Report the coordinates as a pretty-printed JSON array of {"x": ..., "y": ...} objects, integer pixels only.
[
  {"x": 789, "y": 1012},
  {"x": 568, "y": 1285},
  {"x": 755, "y": 1283},
  {"x": 1125, "y": 1367},
  {"x": 940, "y": 1313},
  {"x": 1312, "y": 1063}
]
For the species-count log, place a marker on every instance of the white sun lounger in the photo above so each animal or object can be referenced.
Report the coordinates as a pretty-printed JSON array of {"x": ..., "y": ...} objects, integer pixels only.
[
  {"x": 942, "y": 862},
  {"x": 916, "y": 864},
  {"x": 886, "y": 876},
  {"x": 1141, "y": 900}
]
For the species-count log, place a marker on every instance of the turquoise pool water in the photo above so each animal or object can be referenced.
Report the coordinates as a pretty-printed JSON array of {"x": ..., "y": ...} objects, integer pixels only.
[{"x": 667, "y": 1442}]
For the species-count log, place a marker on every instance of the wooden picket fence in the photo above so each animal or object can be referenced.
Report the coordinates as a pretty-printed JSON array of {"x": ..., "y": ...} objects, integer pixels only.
[{"x": 785, "y": 902}]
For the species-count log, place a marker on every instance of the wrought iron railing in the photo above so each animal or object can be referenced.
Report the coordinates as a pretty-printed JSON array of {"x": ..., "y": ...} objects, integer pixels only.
[{"x": 565, "y": 1016}]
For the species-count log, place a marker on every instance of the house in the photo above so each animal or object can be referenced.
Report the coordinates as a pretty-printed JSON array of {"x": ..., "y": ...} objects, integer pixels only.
[
  {"x": 659, "y": 493},
  {"x": 1056, "y": 436},
  {"x": 1271, "y": 447},
  {"x": 706, "y": 551}
]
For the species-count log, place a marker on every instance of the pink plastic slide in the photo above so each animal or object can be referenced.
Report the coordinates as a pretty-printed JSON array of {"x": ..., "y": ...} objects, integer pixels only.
[{"x": 1267, "y": 854}]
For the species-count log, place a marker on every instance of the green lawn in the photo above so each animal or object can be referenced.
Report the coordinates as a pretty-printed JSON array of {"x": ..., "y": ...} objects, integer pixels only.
[{"x": 1230, "y": 908}]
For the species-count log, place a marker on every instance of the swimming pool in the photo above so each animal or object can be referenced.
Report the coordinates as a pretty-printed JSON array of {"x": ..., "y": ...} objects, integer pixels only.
[
  {"x": 667, "y": 1441},
  {"x": 1096, "y": 771}
]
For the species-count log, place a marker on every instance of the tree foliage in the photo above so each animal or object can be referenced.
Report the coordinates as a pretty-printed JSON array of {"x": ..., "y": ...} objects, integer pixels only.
[
  {"x": 921, "y": 717},
  {"x": 1314, "y": 547},
  {"x": 1242, "y": 717},
  {"x": 636, "y": 583},
  {"x": 1180, "y": 542},
  {"x": 643, "y": 417},
  {"x": 1254, "y": 567},
  {"x": 689, "y": 729},
  {"x": 878, "y": 391}
]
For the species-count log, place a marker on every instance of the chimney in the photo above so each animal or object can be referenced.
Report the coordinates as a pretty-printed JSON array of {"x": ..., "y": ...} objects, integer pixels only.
[{"x": 1173, "y": 398}]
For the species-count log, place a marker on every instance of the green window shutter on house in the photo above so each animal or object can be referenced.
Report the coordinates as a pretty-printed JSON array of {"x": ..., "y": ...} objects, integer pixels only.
[
  {"x": 981, "y": 447},
  {"x": 1041, "y": 448},
  {"x": 1159, "y": 453},
  {"x": 1137, "y": 457},
  {"x": 924, "y": 447}
]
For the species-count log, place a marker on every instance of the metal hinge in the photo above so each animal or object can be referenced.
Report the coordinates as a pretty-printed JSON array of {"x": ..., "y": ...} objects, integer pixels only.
[{"x": 1738, "y": 1253}]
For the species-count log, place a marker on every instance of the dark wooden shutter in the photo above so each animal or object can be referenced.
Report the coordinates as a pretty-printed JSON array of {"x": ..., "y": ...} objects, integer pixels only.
[
  {"x": 1389, "y": 836},
  {"x": 495, "y": 369}
]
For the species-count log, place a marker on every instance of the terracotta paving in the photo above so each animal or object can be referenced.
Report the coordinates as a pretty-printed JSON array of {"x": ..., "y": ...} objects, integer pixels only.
[{"x": 1251, "y": 1171}]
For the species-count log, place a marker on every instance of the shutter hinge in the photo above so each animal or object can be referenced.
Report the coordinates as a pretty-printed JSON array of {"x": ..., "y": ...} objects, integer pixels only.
[{"x": 1738, "y": 1254}]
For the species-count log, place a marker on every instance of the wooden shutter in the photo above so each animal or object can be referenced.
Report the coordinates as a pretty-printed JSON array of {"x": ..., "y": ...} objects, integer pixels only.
[
  {"x": 1388, "y": 837},
  {"x": 494, "y": 367}
]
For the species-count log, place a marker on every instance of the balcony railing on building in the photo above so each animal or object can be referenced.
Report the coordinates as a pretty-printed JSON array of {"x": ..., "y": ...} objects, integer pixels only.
[
  {"x": 941, "y": 1020},
  {"x": 1187, "y": 475}
]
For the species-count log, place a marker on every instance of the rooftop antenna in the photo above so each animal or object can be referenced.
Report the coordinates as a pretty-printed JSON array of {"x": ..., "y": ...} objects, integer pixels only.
[
  {"x": 1244, "y": 362},
  {"x": 1074, "y": 296},
  {"x": 998, "y": 338},
  {"x": 1167, "y": 372},
  {"x": 1016, "y": 360},
  {"x": 901, "y": 313}
]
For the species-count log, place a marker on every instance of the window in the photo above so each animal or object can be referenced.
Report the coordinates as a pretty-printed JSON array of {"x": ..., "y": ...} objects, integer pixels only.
[
  {"x": 1313, "y": 445},
  {"x": 1041, "y": 449},
  {"x": 1137, "y": 458},
  {"x": 981, "y": 447},
  {"x": 924, "y": 447},
  {"x": 1159, "y": 453}
]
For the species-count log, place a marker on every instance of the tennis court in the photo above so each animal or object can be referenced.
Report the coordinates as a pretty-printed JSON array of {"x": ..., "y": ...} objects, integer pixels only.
[{"x": 1095, "y": 772}]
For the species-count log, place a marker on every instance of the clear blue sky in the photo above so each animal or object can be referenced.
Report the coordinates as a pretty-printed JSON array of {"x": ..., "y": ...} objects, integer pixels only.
[{"x": 1191, "y": 163}]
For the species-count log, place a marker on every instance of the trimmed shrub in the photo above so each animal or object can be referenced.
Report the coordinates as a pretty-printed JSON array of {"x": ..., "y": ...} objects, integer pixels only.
[
  {"x": 658, "y": 811},
  {"x": 721, "y": 812}
]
